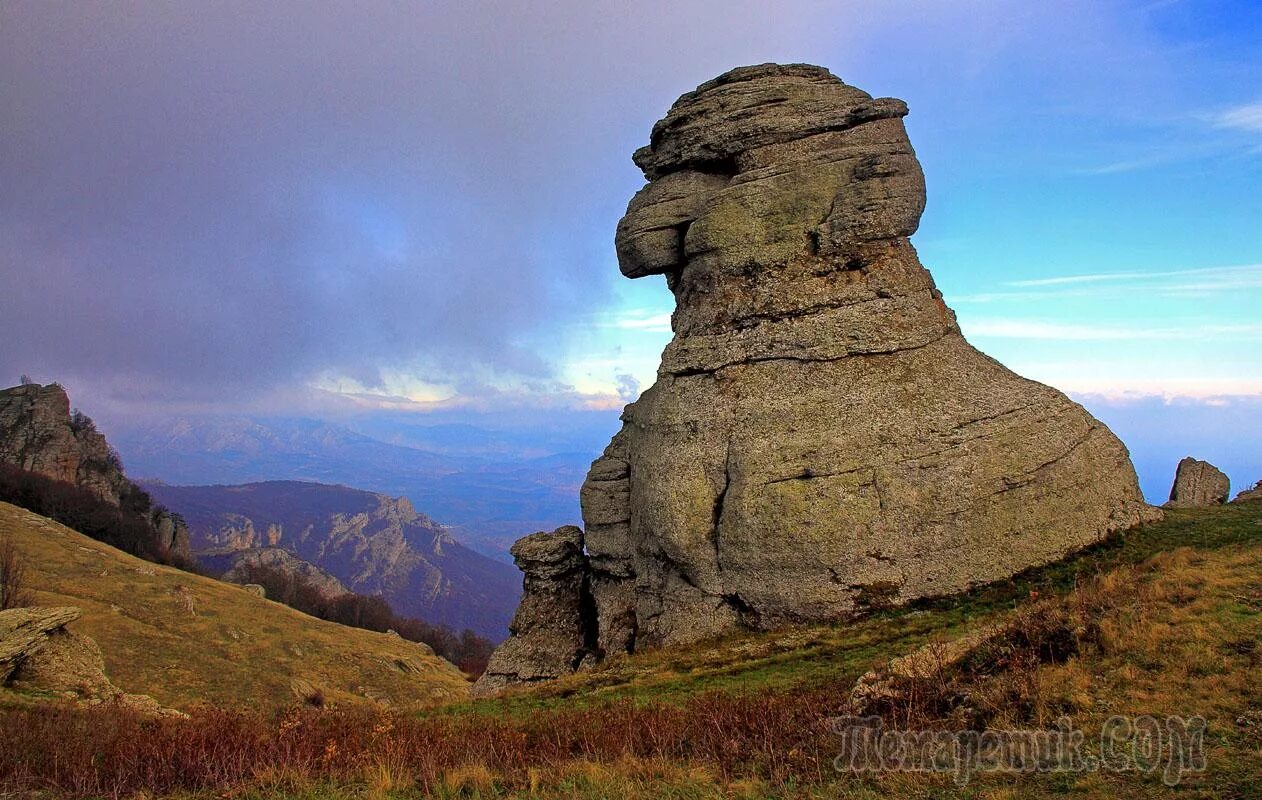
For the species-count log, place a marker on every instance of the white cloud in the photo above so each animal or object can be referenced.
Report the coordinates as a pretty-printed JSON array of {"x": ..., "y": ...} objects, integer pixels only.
[
  {"x": 1199, "y": 282},
  {"x": 1244, "y": 270},
  {"x": 1247, "y": 117}
]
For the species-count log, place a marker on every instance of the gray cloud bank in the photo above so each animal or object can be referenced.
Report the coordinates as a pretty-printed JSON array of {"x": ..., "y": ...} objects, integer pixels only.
[
  {"x": 214, "y": 198},
  {"x": 217, "y": 200}
]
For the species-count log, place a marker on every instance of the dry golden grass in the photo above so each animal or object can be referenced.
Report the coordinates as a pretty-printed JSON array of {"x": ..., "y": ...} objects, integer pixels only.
[{"x": 184, "y": 639}]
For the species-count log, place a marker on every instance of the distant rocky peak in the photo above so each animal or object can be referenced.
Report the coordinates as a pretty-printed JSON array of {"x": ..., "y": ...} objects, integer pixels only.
[{"x": 40, "y": 433}]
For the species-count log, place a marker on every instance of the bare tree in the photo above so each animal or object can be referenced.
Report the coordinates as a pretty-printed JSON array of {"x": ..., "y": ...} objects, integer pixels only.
[{"x": 14, "y": 592}]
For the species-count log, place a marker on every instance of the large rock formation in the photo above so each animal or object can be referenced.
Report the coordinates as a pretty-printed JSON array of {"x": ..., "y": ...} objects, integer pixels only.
[
  {"x": 39, "y": 433},
  {"x": 1198, "y": 483},
  {"x": 820, "y": 436}
]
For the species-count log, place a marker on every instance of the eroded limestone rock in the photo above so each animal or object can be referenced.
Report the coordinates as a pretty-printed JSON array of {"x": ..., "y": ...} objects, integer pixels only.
[
  {"x": 1198, "y": 483},
  {"x": 820, "y": 432}
]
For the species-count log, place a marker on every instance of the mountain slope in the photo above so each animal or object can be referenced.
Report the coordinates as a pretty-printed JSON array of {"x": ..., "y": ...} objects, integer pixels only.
[
  {"x": 374, "y": 544},
  {"x": 184, "y": 639}
]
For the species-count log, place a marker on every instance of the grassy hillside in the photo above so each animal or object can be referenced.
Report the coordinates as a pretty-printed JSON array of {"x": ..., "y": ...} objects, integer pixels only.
[
  {"x": 185, "y": 639},
  {"x": 1165, "y": 620},
  {"x": 825, "y": 654}
]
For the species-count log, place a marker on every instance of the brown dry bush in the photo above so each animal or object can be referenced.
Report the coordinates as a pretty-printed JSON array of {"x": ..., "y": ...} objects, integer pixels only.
[
  {"x": 14, "y": 591},
  {"x": 113, "y": 752}
]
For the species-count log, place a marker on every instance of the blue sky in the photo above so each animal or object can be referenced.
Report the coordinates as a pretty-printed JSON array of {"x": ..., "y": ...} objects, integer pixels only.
[{"x": 299, "y": 207}]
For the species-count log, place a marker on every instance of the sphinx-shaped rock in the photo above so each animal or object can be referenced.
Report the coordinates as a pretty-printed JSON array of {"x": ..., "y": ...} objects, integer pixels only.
[
  {"x": 1198, "y": 483},
  {"x": 819, "y": 433}
]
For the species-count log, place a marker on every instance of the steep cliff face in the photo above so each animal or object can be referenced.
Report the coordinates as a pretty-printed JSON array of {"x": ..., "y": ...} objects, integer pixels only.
[
  {"x": 372, "y": 543},
  {"x": 40, "y": 434},
  {"x": 820, "y": 433}
]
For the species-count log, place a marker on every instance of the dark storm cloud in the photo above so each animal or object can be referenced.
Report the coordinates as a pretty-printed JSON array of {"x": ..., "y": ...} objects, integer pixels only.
[{"x": 208, "y": 198}]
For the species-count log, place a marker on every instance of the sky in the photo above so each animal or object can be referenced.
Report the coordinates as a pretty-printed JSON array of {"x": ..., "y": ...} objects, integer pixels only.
[{"x": 313, "y": 206}]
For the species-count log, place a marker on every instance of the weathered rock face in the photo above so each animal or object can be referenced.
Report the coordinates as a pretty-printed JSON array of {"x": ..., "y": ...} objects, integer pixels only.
[
  {"x": 1198, "y": 483},
  {"x": 38, "y": 433},
  {"x": 820, "y": 433},
  {"x": 1249, "y": 495},
  {"x": 550, "y": 627}
]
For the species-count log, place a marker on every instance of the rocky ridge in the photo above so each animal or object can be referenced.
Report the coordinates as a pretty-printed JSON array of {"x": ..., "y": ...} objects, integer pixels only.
[
  {"x": 371, "y": 543},
  {"x": 280, "y": 559},
  {"x": 820, "y": 436},
  {"x": 39, "y": 433}
]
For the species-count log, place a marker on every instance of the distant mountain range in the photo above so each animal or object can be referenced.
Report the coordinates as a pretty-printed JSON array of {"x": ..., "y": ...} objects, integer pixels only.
[
  {"x": 373, "y": 543},
  {"x": 490, "y": 486}
]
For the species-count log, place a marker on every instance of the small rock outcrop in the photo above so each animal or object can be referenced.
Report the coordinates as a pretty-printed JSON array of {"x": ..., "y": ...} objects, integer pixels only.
[
  {"x": 820, "y": 433},
  {"x": 1198, "y": 483},
  {"x": 38, "y": 653},
  {"x": 549, "y": 631},
  {"x": 244, "y": 563},
  {"x": 1249, "y": 495},
  {"x": 39, "y": 433},
  {"x": 23, "y": 631}
]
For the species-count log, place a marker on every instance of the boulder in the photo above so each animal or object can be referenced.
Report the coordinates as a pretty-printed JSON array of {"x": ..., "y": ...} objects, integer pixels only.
[
  {"x": 23, "y": 631},
  {"x": 38, "y": 653},
  {"x": 820, "y": 435},
  {"x": 1198, "y": 483}
]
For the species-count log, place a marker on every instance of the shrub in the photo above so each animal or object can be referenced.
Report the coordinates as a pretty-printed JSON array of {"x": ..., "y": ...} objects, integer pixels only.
[{"x": 14, "y": 591}]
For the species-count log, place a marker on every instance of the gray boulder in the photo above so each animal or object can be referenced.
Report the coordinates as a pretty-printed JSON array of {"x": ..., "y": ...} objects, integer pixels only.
[{"x": 1198, "y": 483}]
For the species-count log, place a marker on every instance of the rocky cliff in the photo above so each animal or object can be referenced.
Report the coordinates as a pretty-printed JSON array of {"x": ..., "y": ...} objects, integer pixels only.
[
  {"x": 820, "y": 436},
  {"x": 371, "y": 543},
  {"x": 39, "y": 433}
]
